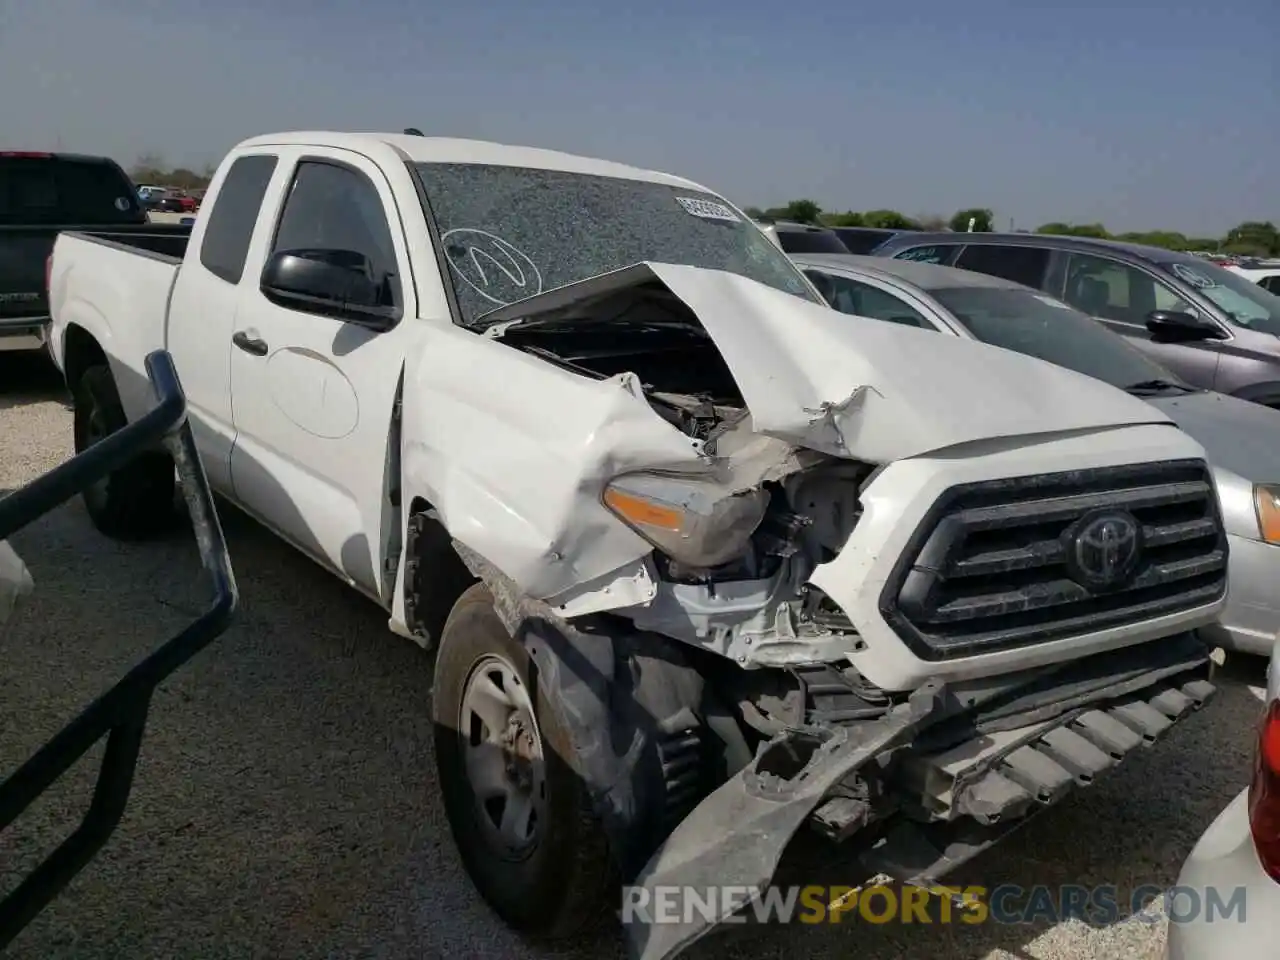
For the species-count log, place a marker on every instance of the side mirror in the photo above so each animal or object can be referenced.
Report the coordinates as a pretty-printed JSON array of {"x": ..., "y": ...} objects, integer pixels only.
[
  {"x": 1173, "y": 326},
  {"x": 337, "y": 283}
]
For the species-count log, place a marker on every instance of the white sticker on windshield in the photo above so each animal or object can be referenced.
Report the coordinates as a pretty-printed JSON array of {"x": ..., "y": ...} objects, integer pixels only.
[
  {"x": 1192, "y": 276},
  {"x": 708, "y": 209},
  {"x": 1051, "y": 302},
  {"x": 122, "y": 204}
]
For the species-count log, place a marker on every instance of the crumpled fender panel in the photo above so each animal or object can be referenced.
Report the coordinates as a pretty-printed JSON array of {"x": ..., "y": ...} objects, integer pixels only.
[{"x": 513, "y": 453}]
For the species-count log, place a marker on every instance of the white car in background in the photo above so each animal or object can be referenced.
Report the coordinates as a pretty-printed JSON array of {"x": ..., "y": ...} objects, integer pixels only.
[
  {"x": 1267, "y": 276},
  {"x": 1242, "y": 439},
  {"x": 1239, "y": 851}
]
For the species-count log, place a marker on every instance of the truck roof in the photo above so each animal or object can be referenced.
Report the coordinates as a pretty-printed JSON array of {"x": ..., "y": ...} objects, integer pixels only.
[{"x": 450, "y": 150}]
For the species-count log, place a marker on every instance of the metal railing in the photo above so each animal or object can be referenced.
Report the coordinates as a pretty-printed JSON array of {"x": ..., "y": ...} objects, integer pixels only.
[{"x": 120, "y": 714}]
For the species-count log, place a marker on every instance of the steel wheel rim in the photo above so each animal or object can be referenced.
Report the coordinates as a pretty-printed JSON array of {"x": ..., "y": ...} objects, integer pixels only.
[{"x": 502, "y": 756}]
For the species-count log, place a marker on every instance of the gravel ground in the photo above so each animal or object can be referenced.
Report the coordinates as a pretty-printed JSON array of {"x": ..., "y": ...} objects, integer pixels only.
[{"x": 284, "y": 804}]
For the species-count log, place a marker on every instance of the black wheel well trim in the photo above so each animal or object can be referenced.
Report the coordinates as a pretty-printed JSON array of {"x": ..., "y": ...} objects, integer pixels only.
[{"x": 80, "y": 351}]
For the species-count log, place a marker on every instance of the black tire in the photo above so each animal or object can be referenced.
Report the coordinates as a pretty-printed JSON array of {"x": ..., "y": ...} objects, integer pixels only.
[
  {"x": 137, "y": 500},
  {"x": 562, "y": 886}
]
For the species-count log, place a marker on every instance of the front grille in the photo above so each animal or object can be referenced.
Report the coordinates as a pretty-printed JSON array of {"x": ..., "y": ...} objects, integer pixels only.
[{"x": 995, "y": 564}]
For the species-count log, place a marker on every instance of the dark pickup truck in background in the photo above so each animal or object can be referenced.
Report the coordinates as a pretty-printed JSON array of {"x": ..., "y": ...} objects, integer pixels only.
[{"x": 43, "y": 194}]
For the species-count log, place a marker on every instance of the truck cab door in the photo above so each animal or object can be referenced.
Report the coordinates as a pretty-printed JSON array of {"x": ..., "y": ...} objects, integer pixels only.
[
  {"x": 204, "y": 303},
  {"x": 313, "y": 392}
]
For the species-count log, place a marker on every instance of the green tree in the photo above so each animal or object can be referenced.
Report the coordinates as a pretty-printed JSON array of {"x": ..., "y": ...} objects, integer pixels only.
[
  {"x": 980, "y": 216},
  {"x": 850, "y": 218},
  {"x": 1168, "y": 239},
  {"x": 801, "y": 211},
  {"x": 755, "y": 213},
  {"x": 888, "y": 220},
  {"x": 1253, "y": 238}
]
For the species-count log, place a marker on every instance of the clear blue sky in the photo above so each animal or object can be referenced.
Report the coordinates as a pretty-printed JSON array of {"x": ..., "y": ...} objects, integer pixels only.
[{"x": 1136, "y": 114}]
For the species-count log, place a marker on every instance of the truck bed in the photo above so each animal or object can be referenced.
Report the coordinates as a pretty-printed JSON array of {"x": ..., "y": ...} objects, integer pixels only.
[
  {"x": 24, "y": 250},
  {"x": 122, "y": 279}
]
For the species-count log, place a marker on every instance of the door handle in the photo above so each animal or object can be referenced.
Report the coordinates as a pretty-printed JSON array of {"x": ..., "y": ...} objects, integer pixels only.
[{"x": 249, "y": 344}]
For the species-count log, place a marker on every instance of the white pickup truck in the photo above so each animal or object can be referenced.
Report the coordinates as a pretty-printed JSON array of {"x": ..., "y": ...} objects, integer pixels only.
[{"x": 701, "y": 560}]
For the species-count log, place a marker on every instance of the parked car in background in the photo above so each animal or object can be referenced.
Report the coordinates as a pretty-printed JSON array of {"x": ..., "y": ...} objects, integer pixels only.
[
  {"x": 176, "y": 202},
  {"x": 701, "y": 565},
  {"x": 42, "y": 194},
  {"x": 1242, "y": 439},
  {"x": 865, "y": 239},
  {"x": 1239, "y": 852},
  {"x": 1207, "y": 324},
  {"x": 801, "y": 237},
  {"x": 1267, "y": 277},
  {"x": 151, "y": 196}
]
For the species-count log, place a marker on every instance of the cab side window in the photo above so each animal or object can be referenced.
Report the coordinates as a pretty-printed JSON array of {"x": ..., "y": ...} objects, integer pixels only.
[
  {"x": 333, "y": 208},
  {"x": 1025, "y": 265},
  {"x": 1116, "y": 291},
  {"x": 233, "y": 216},
  {"x": 863, "y": 300}
]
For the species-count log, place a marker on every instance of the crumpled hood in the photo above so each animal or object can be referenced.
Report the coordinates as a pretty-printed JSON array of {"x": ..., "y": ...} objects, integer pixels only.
[
  {"x": 1241, "y": 436},
  {"x": 854, "y": 387}
]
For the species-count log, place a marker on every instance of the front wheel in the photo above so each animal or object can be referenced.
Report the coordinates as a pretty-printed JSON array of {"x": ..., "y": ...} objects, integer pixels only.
[
  {"x": 520, "y": 816},
  {"x": 136, "y": 500}
]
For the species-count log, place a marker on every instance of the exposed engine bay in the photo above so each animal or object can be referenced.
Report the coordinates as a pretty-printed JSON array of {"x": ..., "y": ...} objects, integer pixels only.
[{"x": 741, "y": 592}]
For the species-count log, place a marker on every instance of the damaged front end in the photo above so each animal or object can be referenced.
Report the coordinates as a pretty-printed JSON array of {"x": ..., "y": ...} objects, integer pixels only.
[
  {"x": 730, "y": 427},
  {"x": 684, "y": 455}
]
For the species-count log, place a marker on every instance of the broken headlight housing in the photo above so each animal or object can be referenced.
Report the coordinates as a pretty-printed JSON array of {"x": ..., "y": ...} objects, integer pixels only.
[{"x": 695, "y": 521}]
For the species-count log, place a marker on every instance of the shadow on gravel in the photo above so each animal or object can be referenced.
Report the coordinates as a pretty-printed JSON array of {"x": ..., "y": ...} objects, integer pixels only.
[
  {"x": 286, "y": 806},
  {"x": 29, "y": 377}
]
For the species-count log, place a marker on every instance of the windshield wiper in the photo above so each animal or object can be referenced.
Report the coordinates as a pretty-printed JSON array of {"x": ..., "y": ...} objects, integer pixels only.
[{"x": 1147, "y": 387}]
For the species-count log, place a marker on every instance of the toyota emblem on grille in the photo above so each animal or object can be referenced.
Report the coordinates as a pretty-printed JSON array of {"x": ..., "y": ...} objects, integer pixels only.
[{"x": 1103, "y": 549}]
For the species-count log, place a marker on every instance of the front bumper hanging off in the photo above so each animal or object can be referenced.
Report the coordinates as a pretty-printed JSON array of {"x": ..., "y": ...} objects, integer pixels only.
[
  {"x": 1022, "y": 748},
  {"x": 120, "y": 714}
]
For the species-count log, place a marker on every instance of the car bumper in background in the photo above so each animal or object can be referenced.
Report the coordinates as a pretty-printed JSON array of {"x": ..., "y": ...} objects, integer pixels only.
[
  {"x": 1222, "y": 867},
  {"x": 22, "y": 333},
  {"x": 1252, "y": 617}
]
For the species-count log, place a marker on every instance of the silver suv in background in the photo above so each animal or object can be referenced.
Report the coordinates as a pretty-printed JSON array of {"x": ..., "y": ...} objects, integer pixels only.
[{"x": 1209, "y": 325}]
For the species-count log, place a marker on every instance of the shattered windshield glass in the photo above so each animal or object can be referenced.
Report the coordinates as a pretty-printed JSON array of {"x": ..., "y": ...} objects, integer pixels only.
[{"x": 510, "y": 233}]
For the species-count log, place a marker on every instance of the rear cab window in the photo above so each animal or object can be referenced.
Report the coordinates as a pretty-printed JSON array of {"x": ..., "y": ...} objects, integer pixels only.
[
  {"x": 234, "y": 214},
  {"x": 38, "y": 189}
]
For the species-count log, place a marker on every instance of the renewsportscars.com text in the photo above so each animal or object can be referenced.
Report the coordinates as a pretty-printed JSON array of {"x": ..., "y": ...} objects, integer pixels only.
[{"x": 1004, "y": 904}]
